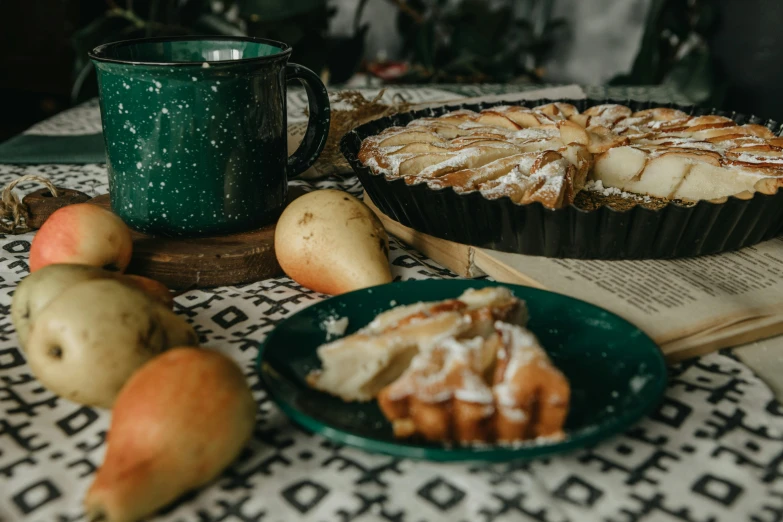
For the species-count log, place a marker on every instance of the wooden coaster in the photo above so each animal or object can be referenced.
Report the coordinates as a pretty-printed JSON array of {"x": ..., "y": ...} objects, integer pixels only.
[{"x": 183, "y": 264}]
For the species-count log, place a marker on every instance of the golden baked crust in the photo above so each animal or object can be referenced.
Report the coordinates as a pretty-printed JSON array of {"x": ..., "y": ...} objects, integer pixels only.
[
  {"x": 500, "y": 389},
  {"x": 545, "y": 154}
]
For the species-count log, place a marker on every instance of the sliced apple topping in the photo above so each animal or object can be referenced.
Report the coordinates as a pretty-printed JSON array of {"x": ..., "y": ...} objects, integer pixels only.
[
  {"x": 665, "y": 174},
  {"x": 661, "y": 114},
  {"x": 404, "y": 138},
  {"x": 495, "y": 119},
  {"x": 609, "y": 113},
  {"x": 419, "y": 148},
  {"x": 524, "y": 117},
  {"x": 549, "y": 180},
  {"x": 415, "y": 165},
  {"x": 546, "y": 153},
  {"x": 468, "y": 179},
  {"x": 581, "y": 119},
  {"x": 485, "y": 143},
  {"x": 434, "y": 165},
  {"x": 707, "y": 181},
  {"x": 603, "y": 139},
  {"x": 619, "y": 165},
  {"x": 570, "y": 132},
  {"x": 558, "y": 110},
  {"x": 581, "y": 159},
  {"x": 759, "y": 130}
]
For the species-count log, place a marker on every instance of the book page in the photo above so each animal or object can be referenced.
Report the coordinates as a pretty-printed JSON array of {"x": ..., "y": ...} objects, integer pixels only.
[{"x": 669, "y": 299}]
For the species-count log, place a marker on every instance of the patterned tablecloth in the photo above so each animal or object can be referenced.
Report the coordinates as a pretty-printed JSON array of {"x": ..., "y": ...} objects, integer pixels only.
[{"x": 712, "y": 452}]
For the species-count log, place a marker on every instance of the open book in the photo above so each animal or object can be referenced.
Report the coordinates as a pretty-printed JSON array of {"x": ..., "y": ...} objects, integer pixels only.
[{"x": 688, "y": 306}]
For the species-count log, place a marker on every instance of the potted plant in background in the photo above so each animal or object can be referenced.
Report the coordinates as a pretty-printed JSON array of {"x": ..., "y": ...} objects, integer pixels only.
[
  {"x": 471, "y": 41},
  {"x": 675, "y": 51}
]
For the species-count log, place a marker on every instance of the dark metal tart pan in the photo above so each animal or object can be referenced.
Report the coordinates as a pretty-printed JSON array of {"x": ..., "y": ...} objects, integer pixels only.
[{"x": 672, "y": 231}]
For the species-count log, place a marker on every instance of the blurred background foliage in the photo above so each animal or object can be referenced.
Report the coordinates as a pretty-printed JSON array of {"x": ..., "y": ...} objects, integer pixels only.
[
  {"x": 443, "y": 41},
  {"x": 674, "y": 50},
  {"x": 304, "y": 24}
]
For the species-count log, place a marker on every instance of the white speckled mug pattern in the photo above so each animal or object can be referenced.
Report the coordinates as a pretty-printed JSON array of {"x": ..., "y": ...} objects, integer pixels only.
[{"x": 195, "y": 132}]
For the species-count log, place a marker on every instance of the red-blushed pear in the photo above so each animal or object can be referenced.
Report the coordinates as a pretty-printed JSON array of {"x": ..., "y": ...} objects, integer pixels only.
[
  {"x": 151, "y": 287},
  {"x": 84, "y": 234},
  {"x": 181, "y": 419}
]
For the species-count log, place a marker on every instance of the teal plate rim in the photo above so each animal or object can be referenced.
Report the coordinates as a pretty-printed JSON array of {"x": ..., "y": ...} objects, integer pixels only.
[{"x": 585, "y": 437}]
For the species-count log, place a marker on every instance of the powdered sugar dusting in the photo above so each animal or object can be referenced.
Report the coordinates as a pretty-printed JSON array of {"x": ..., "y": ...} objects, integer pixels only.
[
  {"x": 459, "y": 160},
  {"x": 334, "y": 326},
  {"x": 456, "y": 355},
  {"x": 753, "y": 158},
  {"x": 598, "y": 186}
]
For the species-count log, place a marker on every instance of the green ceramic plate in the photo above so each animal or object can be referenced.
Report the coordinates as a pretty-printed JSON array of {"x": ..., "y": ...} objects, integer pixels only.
[{"x": 617, "y": 373}]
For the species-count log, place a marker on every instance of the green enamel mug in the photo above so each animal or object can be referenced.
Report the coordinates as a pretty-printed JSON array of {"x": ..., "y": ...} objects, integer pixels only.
[{"x": 196, "y": 131}]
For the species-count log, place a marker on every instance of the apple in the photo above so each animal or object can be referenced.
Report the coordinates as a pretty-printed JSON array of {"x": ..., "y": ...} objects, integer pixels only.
[{"x": 83, "y": 234}]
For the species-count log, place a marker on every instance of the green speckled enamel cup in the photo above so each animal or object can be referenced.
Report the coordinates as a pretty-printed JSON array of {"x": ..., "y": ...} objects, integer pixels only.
[{"x": 196, "y": 133}]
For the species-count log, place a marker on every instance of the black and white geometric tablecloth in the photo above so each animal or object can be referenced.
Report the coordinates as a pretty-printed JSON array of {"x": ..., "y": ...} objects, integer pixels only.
[{"x": 712, "y": 452}]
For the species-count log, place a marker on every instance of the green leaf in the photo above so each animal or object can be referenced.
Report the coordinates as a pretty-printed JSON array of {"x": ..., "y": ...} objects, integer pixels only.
[
  {"x": 101, "y": 30},
  {"x": 481, "y": 39},
  {"x": 693, "y": 76},
  {"x": 675, "y": 18},
  {"x": 357, "y": 17},
  {"x": 80, "y": 80},
  {"x": 425, "y": 45},
  {"x": 645, "y": 69}
]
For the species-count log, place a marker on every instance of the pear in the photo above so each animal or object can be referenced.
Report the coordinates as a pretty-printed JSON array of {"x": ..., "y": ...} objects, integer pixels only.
[
  {"x": 39, "y": 288},
  {"x": 86, "y": 343},
  {"x": 330, "y": 242},
  {"x": 151, "y": 287},
  {"x": 180, "y": 420}
]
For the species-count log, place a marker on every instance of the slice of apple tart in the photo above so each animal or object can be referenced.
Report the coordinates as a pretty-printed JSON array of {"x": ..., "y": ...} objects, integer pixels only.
[
  {"x": 356, "y": 367},
  {"x": 462, "y": 370}
]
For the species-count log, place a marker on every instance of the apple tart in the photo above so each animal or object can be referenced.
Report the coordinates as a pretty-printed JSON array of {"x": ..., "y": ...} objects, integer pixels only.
[
  {"x": 462, "y": 370},
  {"x": 548, "y": 153}
]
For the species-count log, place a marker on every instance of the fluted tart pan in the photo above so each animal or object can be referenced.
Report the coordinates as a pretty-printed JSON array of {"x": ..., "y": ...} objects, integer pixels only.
[{"x": 672, "y": 231}]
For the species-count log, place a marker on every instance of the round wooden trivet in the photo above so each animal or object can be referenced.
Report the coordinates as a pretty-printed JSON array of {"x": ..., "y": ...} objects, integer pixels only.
[
  {"x": 183, "y": 264},
  {"x": 41, "y": 204}
]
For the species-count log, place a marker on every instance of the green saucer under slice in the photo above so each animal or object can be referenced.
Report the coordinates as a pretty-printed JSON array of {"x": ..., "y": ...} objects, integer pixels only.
[{"x": 617, "y": 373}]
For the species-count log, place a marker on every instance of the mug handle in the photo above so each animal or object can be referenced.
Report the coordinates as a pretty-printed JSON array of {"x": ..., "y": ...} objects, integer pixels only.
[{"x": 318, "y": 125}]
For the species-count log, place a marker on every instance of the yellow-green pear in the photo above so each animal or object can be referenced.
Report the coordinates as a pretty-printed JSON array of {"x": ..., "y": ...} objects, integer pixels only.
[
  {"x": 86, "y": 343},
  {"x": 330, "y": 242}
]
